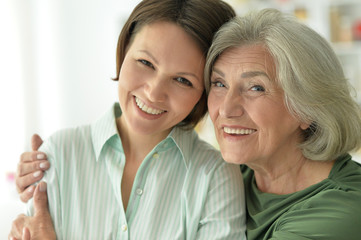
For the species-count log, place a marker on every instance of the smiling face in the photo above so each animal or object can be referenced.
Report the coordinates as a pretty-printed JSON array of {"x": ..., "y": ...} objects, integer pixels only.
[
  {"x": 161, "y": 79},
  {"x": 252, "y": 123}
]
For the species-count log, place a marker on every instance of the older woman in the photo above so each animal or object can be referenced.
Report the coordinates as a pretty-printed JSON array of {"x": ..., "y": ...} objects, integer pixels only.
[{"x": 281, "y": 107}]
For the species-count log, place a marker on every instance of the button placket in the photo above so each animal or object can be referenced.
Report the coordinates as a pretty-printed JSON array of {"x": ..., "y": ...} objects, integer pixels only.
[
  {"x": 124, "y": 227},
  {"x": 139, "y": 191}
]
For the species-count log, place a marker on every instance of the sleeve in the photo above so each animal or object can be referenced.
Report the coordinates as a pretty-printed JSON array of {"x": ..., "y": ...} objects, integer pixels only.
[
  {"x": 53, "y": 188},
  {"x": 224, "y": 213}
]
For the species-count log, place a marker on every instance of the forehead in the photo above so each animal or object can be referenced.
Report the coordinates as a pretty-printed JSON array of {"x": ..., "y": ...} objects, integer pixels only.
[
  {"x": 256, "y": 57},
  {"x": 163, "y": 31},
  {"x": 169, "y": 47}
]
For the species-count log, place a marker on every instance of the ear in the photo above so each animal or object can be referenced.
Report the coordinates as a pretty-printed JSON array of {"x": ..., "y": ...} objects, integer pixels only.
[{"x": 304, "y": 126}]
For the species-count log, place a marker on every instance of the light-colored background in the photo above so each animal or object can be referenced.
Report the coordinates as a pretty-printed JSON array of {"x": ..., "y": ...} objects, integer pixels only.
[{"x": 57, "y": 59}]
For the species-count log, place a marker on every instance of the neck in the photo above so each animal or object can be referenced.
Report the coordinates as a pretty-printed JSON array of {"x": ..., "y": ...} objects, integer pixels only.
[
  {"x": 289, "y": 176},
  {"x": 136, "y": 145}
]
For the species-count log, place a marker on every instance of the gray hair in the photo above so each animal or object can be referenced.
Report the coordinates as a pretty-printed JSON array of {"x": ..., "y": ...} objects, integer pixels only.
[{"x": 310, "y": 74}]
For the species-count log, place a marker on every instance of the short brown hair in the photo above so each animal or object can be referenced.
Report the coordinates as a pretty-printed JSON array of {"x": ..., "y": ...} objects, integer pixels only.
[{"x": 199, "y": 18}]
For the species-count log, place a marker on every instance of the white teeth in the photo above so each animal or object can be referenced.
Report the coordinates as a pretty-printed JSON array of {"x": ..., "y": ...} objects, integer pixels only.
[
  {"x": 147, "y": 109},
  {"x": 238, "y": 131}
]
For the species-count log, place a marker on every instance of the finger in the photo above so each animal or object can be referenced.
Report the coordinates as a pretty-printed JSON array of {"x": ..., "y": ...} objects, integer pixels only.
[
  {"x": 32, "y": 156},
  {"x": 24, "y": 181},
  {"x": 27, "y": 194},
  {"x": 16, "y": 227},
  {"x": 36, "y": 142},
  {"x": 41, "y": 200},
  {"x": 26, "y": 234},
  {"x": 25, "y": 168}
]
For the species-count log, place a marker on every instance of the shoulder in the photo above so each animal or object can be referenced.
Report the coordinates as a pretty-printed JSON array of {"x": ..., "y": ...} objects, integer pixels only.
[
  {"x": 203, "y": 154},
  {"x": 69, "y": 136},
  {"x": 206, "y": 161},
  {"x": 67, "y": 143},
  {"x": 346, "y": 173},
  {"x": 330, "y": 214}
]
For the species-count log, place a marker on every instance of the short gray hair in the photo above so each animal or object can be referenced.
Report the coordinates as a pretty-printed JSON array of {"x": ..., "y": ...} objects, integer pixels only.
[{"x": 310, "y": 74}]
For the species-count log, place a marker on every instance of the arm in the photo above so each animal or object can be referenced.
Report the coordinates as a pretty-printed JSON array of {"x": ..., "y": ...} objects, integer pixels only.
[
  {"x": 224, "y": 213},
  {"x": 30, "y": 169},
  {"x": 40, "y": 225},
  {"x": 53, "y": 189}
]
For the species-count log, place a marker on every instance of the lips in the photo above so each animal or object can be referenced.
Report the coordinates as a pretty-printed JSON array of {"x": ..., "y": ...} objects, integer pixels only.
[
  {"x": 238, "y": 131},
  {"x": 147, "y": 109}
]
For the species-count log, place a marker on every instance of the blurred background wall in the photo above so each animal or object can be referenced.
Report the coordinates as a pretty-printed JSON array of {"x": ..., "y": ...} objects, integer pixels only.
[{"x": 57, "y": 59}]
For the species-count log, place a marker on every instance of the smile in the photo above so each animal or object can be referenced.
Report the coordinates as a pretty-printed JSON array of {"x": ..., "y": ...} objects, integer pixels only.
[
  {"x": 238, "y": 131},
  {"x": 147, "y": 109}
]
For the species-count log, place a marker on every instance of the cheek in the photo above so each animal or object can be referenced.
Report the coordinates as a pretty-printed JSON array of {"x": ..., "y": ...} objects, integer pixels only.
[
  {"x": 275, "y": 122},
  {"x": 129, "y": 77},
  {"x": 265, "y": 112},
  {"x": 188, "y": 100}
]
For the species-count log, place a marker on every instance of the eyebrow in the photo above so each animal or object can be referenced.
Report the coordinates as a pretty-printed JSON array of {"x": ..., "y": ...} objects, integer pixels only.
[
  {"x": 150, "y": 55},
  {"x": 252, "y": 74},
  {"x": 249, "y": 74},
  {"x": 155, "y": 60}
]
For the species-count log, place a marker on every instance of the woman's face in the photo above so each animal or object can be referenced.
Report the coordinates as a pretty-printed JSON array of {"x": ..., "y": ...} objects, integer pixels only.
[
  {"x": 161, "y": 79},
  {"x": 247, "y": 108}
]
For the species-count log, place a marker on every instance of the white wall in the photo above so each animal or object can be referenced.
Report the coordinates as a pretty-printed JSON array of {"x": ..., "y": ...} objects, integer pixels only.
[{"x": 57, "y": 59}]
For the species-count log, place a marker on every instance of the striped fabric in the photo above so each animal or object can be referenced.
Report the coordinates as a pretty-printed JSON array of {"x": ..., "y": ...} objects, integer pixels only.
[{"x": 182, "y": 190}]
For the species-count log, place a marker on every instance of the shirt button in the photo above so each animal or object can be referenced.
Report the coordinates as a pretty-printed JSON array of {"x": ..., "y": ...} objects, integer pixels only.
[
  {"x": 155, "y": 155},
  {"x": 124, "y": 227},
  {"x": 139, "y": 191}
]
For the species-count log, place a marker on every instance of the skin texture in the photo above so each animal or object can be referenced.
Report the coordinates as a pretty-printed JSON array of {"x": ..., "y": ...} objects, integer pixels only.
[
  {"x": 40, "y": 225},
  {"x": 30, "y": 169},
  {"x": 253, "y": 125},
  {"x": 244, "y": 95},
  {"x": 159, "y": 85},
  {"x": 166, "y": 79}
]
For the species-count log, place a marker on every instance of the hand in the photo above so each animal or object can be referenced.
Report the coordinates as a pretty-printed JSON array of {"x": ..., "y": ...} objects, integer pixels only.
[
  {"x": 39, "y": 226},
  {"x": 30, "y": 169}
]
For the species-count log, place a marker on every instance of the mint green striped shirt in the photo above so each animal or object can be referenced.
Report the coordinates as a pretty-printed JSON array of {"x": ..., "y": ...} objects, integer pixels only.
[{"x": 182, "y": 190}]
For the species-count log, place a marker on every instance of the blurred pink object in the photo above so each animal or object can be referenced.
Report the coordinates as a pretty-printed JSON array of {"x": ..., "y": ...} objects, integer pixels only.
[
  {"x": 10, "y": 177},
  {"x": 356, "y": 30}
]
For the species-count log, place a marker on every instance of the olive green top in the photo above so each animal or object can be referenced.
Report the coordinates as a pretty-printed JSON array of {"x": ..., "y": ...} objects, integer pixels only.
[{"x": 330, "y": 209}]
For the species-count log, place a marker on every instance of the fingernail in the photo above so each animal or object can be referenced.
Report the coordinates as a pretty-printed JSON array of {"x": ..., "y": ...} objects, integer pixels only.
[
  {"x": 42, "y": 187},
  {"x": 40, "y": 156},
  {"x": 37, "y": 173},
  {"x": 31, "y": 189},
  {"x": 44, "y": 165}
]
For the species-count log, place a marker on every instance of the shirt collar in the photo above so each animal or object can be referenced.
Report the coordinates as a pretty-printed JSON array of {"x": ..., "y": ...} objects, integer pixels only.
[
  {"x": 184, "y": 140},
  {"x": 105, "y": 128}
]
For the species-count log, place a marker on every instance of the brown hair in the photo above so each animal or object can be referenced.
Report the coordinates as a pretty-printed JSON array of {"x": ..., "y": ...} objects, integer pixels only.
[{"x": 199, "y": 18}]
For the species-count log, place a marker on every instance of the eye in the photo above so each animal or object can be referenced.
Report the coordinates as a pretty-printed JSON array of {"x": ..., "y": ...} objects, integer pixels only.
[
  {"x": 257, "y": 88},
  {"x": 146, "y": 63},
  {"x": 217, "y": 84},
  {"x": 184, "y": 81}
]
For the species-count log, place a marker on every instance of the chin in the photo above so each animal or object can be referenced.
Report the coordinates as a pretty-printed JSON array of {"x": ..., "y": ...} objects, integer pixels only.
[{"x": 232, "y": 158}]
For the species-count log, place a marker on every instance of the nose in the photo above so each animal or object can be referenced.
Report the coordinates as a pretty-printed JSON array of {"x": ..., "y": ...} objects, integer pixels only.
[
  {"x": 232, "y": 105},
  {"x": 156, "y": 89}
]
